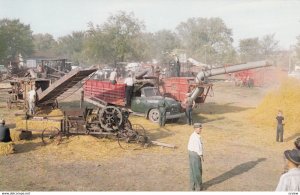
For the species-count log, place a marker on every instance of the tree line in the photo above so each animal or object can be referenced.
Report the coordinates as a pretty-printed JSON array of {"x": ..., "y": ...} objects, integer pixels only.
[{"x": 123, "y": 38}]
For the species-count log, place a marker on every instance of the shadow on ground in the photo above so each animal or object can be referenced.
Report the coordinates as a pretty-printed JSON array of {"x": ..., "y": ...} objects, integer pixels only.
[
  {"x": 213, "y": 108},
  {"x": 292, "y": 137},
  {"x": 163, "y": 132},
  {"x": 27, "y": 146},
  {"x": 202, "y": 119},
  {"x": 237, "y": 170}
]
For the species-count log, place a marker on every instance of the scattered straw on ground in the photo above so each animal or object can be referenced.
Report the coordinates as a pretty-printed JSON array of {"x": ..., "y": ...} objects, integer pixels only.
[
  {"x": 83, "y": 147},
  {"x": 285, "y": 98}
]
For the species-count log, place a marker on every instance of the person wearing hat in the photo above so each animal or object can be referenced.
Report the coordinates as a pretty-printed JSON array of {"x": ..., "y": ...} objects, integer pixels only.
[
  {"x": 4, "y": 132},
  {"x": 290, "y": 181},
  {"x": 280, "y": 123},
  {"x": 297, "y": 143},
  {"x": 195, "y": 148},
  {"x": 189, "y": 104},
  {"x": 162, "y": 112}
]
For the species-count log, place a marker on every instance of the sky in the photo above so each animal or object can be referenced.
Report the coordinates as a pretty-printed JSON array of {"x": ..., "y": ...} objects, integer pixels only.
[{"x": 246, "y": 18}]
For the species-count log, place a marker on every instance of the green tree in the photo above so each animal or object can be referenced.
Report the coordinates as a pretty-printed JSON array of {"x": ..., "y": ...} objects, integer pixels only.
[
  {"x": 117, "y": 40},
  {"x": 71, "y": 47},
  {"x": 250, "y": 49},
  {"x": 207, "y": 39},
  {"x": 269, "y": 46},
  {"x": 15, "y": 38},
  {"x": 44, "y": 45},
  {"x": 164, "y": 41}
]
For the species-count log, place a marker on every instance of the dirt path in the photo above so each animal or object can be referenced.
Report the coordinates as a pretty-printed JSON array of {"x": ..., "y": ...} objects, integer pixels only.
[{"x": 239, "y": 156}]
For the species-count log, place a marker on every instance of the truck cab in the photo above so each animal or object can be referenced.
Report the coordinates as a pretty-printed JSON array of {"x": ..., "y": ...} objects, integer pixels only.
[{"x": 147, "y": 105}]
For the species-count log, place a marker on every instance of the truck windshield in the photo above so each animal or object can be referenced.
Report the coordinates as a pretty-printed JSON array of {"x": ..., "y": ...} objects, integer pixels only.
[{"x": 151, "y": 91}]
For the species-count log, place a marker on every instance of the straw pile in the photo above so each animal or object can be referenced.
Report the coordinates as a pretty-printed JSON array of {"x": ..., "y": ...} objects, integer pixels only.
[
  {"x": 287, "y": 99},
  {"x": 6, "y": 148},
  {"x": 17, "y": 135},
  {"x": 44, "y": 119},
  {"x": 50, "y": 113}
]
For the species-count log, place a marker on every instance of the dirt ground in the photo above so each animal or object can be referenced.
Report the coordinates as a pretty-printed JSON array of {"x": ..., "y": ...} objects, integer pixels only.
[{"x": 238, "y": 155}]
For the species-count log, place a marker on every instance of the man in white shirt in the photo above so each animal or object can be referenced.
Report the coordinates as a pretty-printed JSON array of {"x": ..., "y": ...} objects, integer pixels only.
[
  {"x": 290, "y": 181},
  {"x": 113, "y": 76},
  {"x": 31, "y": 101},
  {"x": 195, "y": 149},
  {"x": 129, "y": 89}
]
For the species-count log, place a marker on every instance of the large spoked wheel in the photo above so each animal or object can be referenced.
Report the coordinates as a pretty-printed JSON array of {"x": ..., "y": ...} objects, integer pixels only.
[
  {"x": 132, "y": 139},
  {"x": 139, "y": 129},
  {"x": 51, "y": 135},
  {"x": 110, "y": 118},
  {"x": 141, "y": 135},
  {"x": 154, "y": 115}
]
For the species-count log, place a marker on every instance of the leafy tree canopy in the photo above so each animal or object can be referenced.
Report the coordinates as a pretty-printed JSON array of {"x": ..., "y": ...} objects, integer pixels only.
[
  {"x": 117, "y": 40},
  {"x": 207, "y": 39},
  {"x": 15, "y": 38}
]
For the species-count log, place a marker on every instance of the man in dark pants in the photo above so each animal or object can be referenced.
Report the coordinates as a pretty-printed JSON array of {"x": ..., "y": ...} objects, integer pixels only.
[
  {"x": 162, "y": 113},
  {"x": 129, "y": 89},
  {"x": 195, "y": 149},
  {"x": 280, "y": 123},
  {"x": 189, "y": 105},
  {"x": 4, "y": 132}
]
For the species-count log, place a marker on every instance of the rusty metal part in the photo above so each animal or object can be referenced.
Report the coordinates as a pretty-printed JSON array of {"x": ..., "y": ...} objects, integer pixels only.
[
  {"x": 110, "y": 118},
  {"x": 136, "y": 134},
  {"x": 51, "y": 135},
  {"x": 49, "y": 95},
  {"x": 20, "y": 87},
  {"x": 201, "y": 76}
]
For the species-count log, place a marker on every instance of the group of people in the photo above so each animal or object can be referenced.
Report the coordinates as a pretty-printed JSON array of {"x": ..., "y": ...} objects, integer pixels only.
[
  {"x": 129, "y": 82},
  {"x": 188, "y": 104},
  {"x": 289, "y": 180}
]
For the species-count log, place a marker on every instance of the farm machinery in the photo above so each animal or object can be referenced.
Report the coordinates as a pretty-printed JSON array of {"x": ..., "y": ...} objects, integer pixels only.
[
  {"x": 109, "y": 117},
  {"x": 203, "y": 75},
  {"x": 102, "y": 120},
  {"x": 147, "y": 95}
]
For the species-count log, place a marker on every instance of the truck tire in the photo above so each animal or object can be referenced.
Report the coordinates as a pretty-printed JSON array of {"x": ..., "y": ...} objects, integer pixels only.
[{"x": 153, "y": 115}]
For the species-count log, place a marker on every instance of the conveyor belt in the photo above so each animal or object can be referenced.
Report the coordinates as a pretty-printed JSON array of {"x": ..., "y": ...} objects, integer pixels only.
[{"x": 62, "y": 85}]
